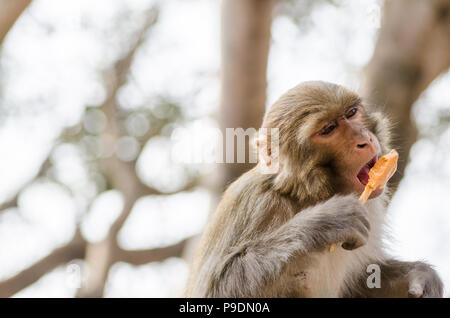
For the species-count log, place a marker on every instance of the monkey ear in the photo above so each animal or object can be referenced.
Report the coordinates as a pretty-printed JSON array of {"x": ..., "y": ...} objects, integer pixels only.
[
  {"x": 268, "y": 151},
  {"x": 263, "y": 150}
]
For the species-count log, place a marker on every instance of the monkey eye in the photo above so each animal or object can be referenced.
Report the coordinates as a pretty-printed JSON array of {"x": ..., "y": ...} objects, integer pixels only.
[
  {"x": 328, "y": 128},
  {"x": 351, "y": 111}
]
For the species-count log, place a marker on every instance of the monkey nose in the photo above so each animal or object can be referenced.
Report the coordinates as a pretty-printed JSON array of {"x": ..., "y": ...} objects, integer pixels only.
[
  {"x": 364, "y": 141},
  {"x": 360, "y": 146}
]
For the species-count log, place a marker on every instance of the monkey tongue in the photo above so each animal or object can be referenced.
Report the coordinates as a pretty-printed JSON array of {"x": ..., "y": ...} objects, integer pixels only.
[{"x": 363, "y": 175}]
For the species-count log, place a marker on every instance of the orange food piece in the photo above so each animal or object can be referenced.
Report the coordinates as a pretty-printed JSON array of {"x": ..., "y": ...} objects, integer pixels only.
[{"x": 380, "y": 174}]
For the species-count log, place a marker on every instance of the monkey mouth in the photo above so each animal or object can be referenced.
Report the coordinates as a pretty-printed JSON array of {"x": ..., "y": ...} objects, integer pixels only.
[{"x": 363, "y": 175}]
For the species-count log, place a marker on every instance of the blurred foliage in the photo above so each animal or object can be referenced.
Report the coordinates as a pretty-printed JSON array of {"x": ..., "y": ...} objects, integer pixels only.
[
  {"x": 299, "y": 11},
  {"x": 444, "y": 118},
  {"x": 136, "y": 126},
  {"x": 441, "y": 125}
]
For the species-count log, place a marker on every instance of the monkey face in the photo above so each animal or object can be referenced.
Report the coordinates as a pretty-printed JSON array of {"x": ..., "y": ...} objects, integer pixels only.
[
  {"x": 328, "y": 141},
  {"x": 351, "y": 148}
]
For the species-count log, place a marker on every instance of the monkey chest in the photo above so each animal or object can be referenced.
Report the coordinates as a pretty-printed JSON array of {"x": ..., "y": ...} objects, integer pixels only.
[{"x": 319, "y": 275}]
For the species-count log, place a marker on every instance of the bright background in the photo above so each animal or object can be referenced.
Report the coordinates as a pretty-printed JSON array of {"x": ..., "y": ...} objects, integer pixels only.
[{"x": 50, "y": 72}]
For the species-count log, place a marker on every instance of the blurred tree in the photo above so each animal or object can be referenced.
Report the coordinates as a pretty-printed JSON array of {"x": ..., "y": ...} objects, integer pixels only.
[
  {"x": 245, "y": 49},
  {"x": 413, "y": 48},
  {"x": 245, "y": 45},
  {"x": 299, "y": 11},
  {"x": 10, "y": 11},
  {"x": 120, "y": 174}
]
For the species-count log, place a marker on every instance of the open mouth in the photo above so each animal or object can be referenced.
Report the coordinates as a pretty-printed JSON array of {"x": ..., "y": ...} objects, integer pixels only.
[{"x": 363, "y": 175}]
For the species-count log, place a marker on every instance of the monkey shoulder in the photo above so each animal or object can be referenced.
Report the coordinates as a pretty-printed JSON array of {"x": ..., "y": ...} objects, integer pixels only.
[{"x": 251, "y": 205}]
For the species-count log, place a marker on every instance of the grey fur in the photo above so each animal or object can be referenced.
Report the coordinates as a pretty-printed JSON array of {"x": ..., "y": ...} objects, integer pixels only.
[{"x": 270, "y": 234}]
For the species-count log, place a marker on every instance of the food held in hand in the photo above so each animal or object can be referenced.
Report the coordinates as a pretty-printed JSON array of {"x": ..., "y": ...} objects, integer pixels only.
[{"x": 380, "y": 174}]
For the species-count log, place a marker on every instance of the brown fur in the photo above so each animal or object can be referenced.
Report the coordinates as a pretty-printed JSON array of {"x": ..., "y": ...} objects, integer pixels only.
[{"x": 270, "y": 234}]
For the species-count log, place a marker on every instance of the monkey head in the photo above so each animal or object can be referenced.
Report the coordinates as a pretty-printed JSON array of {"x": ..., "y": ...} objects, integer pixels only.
[{"x": 328, "y": 141}]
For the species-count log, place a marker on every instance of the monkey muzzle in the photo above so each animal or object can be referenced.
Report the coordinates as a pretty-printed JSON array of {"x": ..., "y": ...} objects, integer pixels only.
[{"x": 363, "y": 174}]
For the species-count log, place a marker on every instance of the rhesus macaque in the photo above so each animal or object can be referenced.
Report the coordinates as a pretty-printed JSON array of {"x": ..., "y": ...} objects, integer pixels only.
[{"x": 271, "y": 233}]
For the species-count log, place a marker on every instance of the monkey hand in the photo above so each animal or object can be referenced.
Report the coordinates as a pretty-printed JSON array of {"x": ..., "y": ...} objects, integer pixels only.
[
  {"x": 423, "y": 282},
  {"x": 342, "y": 220}
]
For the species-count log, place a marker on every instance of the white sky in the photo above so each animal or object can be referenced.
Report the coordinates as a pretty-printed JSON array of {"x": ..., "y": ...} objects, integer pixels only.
[{"x": 51, "y": 65}]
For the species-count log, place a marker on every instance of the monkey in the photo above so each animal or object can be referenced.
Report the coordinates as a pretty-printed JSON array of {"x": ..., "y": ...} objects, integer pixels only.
[{"x": 270, "y": 234}]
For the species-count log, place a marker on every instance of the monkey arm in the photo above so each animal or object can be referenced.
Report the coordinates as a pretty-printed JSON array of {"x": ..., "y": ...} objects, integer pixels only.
[
  {"x": 248, "y": 268},
  {"x": 399, "y": 279},
  {"x": 252, "y": 266}
]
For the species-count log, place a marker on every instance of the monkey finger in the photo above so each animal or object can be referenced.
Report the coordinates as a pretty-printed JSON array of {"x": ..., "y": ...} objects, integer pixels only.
[
  {"x": 349, "y": 245},
  {"x": 415, "y": 288},
  {"x": 415, "y": 292},
  {"x": 353, "y": 243}
]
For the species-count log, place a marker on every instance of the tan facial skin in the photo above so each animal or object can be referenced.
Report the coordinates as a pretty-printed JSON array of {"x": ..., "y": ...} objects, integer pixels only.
[{"x": 356, "y": 145}]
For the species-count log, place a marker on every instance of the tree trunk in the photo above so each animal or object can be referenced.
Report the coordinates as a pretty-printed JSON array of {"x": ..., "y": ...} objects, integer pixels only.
[
  {"x": 10, "y": 11},
  {"x": 413, "y": 48},
  {"x": 245, "y": 49},
  {"x": 245, "y": 42}
]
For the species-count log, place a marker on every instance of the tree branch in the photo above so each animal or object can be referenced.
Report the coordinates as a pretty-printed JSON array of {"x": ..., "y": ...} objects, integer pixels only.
[
  {"x": 10, "y": 11},
  {"x": 122, "y": 175},
  {"x": 62, "y": 255},
  {"x": 141, "y": 257},
  {"x": 12, "y": 202}
]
